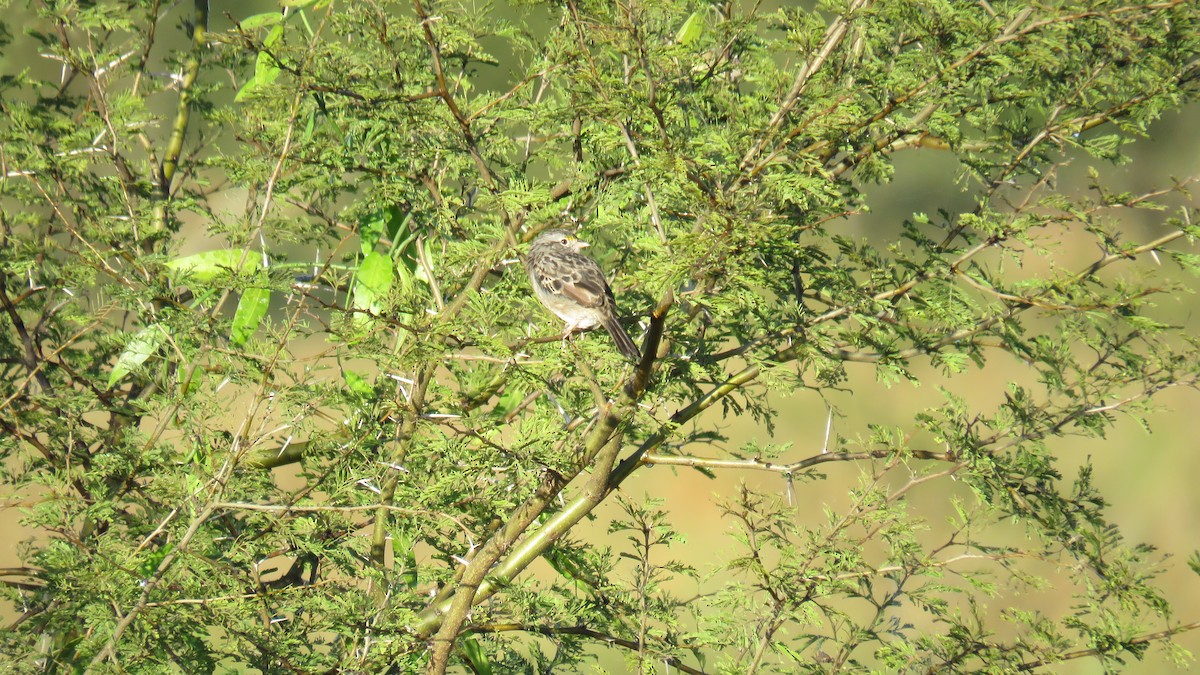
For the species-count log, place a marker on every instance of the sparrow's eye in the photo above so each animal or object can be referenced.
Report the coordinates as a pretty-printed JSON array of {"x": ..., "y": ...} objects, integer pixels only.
[{"x": 564, "y": 241}]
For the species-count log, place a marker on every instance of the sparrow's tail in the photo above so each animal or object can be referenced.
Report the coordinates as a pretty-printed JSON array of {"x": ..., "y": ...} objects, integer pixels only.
[{"x": 621, "y": 338}]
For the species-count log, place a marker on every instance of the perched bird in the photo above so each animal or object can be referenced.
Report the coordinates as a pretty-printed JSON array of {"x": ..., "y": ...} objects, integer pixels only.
[{"x": 572, "y": 286}]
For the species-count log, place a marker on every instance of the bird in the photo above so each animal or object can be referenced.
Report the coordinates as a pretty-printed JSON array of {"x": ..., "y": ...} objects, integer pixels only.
[{"x": 573, "y": 287}]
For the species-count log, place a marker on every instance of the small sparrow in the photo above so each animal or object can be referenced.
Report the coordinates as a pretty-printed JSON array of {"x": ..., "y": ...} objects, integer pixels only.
[{"x": 572, "y": 286}]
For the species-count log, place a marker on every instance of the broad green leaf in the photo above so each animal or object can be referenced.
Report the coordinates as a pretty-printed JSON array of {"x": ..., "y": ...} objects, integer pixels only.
[
  {"x": 371, "y": 228},
  {"x": 357, "y": 383},
  {"x": 261, "y": 20},
  {"x": 691, "y": 29},
  {"x": 251, "y": 309},
  {"x": 273, "y": 38},
  {"x": 374, "y": 279},
  {"x": 141, "y": 347},
  {"x": 476, "y": 655},
  {"x": 266, "y": 69},
  {"x": 206, "y": 266},
  {"x": 403, "y": 547},
  {"x": 386, "y": 222}
]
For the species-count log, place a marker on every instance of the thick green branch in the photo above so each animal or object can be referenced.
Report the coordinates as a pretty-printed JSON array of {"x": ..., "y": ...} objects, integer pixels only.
[{"x": 183, "y": 111}]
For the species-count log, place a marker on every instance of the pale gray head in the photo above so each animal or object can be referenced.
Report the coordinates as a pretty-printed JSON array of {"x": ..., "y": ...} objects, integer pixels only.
[{"x": 563, "y": 238}]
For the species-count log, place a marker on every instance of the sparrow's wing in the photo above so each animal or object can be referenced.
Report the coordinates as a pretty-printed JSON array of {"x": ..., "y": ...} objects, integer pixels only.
[{"x": 577, "y": 277}]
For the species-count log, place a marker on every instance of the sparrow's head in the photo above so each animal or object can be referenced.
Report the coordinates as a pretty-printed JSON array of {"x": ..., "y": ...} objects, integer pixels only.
[{"x": 557, "y": 238}]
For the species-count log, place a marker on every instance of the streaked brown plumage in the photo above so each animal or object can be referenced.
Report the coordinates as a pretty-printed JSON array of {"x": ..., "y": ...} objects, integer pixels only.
[{"x": 572, "y": 286}]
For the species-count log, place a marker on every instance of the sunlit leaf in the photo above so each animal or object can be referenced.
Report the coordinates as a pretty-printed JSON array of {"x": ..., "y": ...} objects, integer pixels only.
[
  {"x": 251, "y": 309},
  {"x": 142, "y": 346}
]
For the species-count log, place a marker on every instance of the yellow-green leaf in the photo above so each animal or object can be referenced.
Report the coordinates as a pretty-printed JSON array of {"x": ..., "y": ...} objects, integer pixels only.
[
  {"x": 375, "y": 276},
  {"x": 142, "y": 346},
  {"x": 251, "y": 309},
  {"x": 691, "y": 29},
  {"x": 206, "y": 266},
  {"x": 261, "y": 20}
]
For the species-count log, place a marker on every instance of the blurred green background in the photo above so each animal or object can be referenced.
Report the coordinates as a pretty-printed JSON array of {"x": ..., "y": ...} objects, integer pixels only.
[{"x": 1150, "y": 479}]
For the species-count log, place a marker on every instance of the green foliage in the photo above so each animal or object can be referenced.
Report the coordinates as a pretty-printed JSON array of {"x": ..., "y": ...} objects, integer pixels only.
[{"x": 359, "y": 180}]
